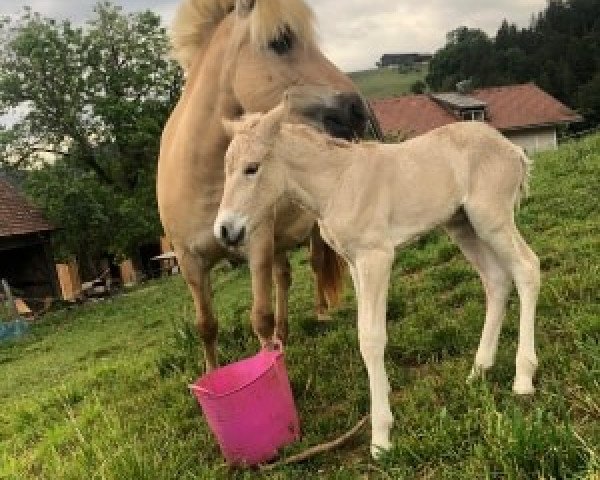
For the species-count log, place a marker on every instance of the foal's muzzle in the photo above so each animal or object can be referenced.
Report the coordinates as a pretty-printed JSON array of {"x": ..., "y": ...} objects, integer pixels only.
[{"x": 230, "y": 230}]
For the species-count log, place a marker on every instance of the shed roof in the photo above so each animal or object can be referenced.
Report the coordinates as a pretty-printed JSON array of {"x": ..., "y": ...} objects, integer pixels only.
[
  {"x": 17, "y": 215},
  {"x": 511, "y": 107}
]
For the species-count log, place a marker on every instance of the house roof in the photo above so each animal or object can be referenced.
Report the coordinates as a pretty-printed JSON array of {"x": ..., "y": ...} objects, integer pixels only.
[
  {"x": 17, "y": 215},
  {"x": 511, "y": 107}
]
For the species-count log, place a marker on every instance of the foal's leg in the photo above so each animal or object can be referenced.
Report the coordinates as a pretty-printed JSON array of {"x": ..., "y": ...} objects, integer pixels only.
[
  {"x": 317, "y": 261},
  {"x": 517, "y": 258},
  {"x": 371, "y": 275},
  {"x": 196, "y": 272},
  {"x": 260, "y": 257},
  {"x": 497, "y": 284},
  {"x": 282, "y": 278}
]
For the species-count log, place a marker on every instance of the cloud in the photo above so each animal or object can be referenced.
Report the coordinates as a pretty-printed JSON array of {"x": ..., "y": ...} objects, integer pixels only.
[{"x": 354, "y": 33}]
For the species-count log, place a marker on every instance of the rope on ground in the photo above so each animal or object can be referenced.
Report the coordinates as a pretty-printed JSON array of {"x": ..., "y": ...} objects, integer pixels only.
[{"x": 317, "y": 449}]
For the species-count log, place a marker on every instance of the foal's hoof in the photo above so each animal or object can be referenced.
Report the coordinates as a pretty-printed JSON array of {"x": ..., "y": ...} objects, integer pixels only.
[
  {"x": 523, "y": 386},
  {"x": 377, "y": 451},
  {"x": 477, "y": 373}
]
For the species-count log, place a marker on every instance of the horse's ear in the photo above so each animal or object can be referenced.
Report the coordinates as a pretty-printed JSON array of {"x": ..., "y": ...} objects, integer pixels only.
[{"x": 244, "y": 7}]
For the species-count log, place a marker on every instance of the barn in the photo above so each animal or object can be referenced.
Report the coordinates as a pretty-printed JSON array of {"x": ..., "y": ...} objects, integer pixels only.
[
  {"x": 525, "y": 114},
  {"x": 26, "y": 260}
]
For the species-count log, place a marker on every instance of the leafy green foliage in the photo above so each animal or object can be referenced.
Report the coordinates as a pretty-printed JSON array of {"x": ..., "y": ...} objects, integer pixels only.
[{"x": 94, "y": 100}]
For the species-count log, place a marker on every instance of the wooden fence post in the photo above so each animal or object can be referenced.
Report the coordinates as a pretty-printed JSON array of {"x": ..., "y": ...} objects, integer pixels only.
[{"x": 10, "y": 300}]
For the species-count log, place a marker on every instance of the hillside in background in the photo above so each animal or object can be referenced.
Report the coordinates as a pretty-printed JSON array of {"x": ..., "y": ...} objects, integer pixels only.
[{"x": 386, "y": 82}]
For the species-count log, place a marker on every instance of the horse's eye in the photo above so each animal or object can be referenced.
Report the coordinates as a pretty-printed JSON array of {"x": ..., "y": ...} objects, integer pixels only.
[
  {"x": 251, "y": 169},
  {"x": 282, "y": 44}
]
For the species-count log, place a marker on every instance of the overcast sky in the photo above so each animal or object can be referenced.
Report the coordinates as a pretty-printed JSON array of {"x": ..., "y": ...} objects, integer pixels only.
[{"x": 354, "y": 33}]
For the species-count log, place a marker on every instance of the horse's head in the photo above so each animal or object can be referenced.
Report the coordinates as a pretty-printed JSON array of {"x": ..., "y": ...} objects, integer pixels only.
[
  {"x": 257, "y": 50},
  {"x": 254, "y": 180}
]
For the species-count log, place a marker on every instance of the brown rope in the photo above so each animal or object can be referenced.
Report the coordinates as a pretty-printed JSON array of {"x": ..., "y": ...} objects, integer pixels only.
[{"x": 317, "y": 449}]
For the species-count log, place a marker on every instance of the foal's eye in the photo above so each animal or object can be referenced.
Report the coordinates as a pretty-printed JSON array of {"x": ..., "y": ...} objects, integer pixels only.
[
  {"x": 251, "y": 169},
  {"x": 282, "y": 44}
]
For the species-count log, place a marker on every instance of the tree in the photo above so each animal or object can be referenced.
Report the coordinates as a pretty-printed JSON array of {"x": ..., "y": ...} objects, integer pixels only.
[
  {"x": 469, "y": 53},
  {"x": 95, "y": 99},
  {"x": 418, "y": 87}
]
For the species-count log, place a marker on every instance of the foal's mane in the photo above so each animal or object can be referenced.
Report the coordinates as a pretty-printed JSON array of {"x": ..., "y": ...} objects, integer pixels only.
[{"x": 195, "y": 21}]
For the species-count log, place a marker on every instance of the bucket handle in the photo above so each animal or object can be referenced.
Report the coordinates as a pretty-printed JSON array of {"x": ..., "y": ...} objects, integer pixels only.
[{"x": 275, "y": 345}]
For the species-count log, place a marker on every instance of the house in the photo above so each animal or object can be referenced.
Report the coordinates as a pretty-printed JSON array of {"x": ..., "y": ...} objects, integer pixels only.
[
  {"x": 525, "y": 114},
  {"x": 26, "y": 260},
  {"x": 403, "y": 59}
]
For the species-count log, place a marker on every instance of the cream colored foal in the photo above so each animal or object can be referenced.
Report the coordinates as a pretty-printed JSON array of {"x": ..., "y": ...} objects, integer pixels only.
[{"x": 370, "y": 197}]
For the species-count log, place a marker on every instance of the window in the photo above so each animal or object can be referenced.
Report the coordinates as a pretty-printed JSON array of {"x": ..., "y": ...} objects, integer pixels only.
[{"x": 478, "y": 115}]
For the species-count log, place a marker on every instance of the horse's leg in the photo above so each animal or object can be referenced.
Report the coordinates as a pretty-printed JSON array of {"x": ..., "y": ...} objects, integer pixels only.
[
  {"x": 517, "y": 258},
  {"x": 497, "y": 284},
  {"x": 282, "y": 278},
  {"x": 260, "y": 257},
  {"x": 317, "y": 262},
  {"x": 196, "y": 272},
  {"x": 371, "y": 275}
]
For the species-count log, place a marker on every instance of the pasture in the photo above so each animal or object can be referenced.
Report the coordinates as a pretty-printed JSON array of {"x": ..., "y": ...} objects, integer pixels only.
[
  {"x": 100, "y": 391},
  {"x": 386, "y": 82}
]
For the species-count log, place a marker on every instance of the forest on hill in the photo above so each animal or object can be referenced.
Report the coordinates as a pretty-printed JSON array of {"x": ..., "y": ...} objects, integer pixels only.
[{"x": 559, "y": 51}]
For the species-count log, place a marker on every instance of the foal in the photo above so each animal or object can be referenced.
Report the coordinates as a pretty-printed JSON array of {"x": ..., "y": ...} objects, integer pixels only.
[{"x": 370, "y": 197}]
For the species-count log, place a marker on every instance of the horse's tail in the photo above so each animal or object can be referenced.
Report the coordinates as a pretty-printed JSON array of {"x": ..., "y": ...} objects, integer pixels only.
[
  {"x": 193, "y": 25},
  {"x": 332, "y": 276},
  {"x": 527, "y": 165}
]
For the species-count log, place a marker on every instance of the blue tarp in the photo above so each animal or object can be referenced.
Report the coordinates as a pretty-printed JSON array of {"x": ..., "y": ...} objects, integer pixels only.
[{"x": 14, "y": 329}]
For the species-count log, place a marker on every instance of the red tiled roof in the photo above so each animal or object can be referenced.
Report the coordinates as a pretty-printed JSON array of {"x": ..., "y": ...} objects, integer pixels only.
[
  {"x": 17, "y": 215},
  {"x": 410, "y": 114},
  {"x": 510, "y": 107},
  {"x": 518, "y": 106}
]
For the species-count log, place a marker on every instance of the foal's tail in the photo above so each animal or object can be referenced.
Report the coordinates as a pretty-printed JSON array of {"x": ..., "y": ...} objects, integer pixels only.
[
  {"x": 332, "y": 276},
  {"x": 527, "y": 165}
]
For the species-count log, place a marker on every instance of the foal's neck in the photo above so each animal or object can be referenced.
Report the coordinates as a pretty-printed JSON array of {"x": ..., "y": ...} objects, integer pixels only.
[{"x": 314, "y": 165}]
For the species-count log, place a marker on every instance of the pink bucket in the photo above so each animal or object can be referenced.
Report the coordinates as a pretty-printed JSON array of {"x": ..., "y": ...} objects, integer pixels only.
[{"x": 250, "y": 408}]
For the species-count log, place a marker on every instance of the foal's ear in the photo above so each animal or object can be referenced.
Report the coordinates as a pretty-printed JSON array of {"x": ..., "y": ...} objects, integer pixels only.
[
  {"x": 231, "y": 127},
  {"x": 244, "y": 7},
  {"x": 271, "y": 122}
]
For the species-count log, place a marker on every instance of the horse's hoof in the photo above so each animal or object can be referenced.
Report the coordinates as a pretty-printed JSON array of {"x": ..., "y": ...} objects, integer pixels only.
[
  {"x": 324, "y": 317},
  {"x": 523, "y": 386}
]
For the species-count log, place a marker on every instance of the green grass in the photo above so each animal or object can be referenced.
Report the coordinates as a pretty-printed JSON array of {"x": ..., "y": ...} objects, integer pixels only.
[
  {"x": 100, "y": 391},
  {"x": 386, "y": 82}
]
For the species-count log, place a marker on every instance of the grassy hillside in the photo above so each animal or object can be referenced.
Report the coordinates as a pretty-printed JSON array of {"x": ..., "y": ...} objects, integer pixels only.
[
  {"x": 386, "y": 82},
  {"x": 99, "y": 391}
]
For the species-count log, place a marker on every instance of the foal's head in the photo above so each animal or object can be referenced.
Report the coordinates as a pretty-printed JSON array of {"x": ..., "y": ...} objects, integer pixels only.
[{"x": 254, "y": 179}]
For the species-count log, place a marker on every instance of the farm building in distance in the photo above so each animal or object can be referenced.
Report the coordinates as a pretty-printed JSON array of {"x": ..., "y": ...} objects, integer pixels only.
[
  {"x": 525, "y": 114},
  {"x": 25, "y": 253},
  {"x": 403, "y": 59}
]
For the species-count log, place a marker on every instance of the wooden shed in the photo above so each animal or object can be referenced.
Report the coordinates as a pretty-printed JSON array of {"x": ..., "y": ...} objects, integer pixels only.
[{"x": 26, "y": 260}]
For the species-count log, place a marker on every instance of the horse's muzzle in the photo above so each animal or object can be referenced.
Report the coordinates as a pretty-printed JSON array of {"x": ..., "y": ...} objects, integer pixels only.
[{"x": 348, "y": 119}]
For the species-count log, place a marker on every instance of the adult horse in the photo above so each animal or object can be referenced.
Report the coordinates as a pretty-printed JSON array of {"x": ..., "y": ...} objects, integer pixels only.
[{"x": 240, "y": 57}]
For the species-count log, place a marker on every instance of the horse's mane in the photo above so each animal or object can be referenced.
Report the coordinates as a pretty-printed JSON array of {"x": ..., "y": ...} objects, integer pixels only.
[
  {"x": 193, "y": 24},
  {"x": 195, "y": 21}
]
